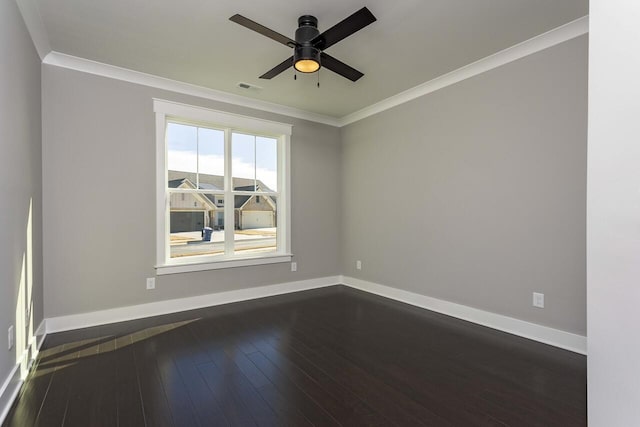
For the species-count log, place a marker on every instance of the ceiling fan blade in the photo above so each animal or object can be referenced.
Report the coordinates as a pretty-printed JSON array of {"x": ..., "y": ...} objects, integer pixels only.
[
  {"x": 258, "y": 28},
  {"x": 339, "y": 67},
  {"x": 344, "y": 28},
  {"x": 287, "y": 63}
]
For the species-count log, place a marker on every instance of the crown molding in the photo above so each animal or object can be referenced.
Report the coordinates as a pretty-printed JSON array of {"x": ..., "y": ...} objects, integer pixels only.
[
  {"x": 105, "y": 70},
  {"x": 538, "y": 43},
  {"x": 35, "y": 26}
]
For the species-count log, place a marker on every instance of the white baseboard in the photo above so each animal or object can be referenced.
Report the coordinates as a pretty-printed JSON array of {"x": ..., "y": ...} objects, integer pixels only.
[
  {"x": 9, "y": 391},
  {"x": 38, "y": 340},
  {"x": 11, "y": 386},
  {"x": 544, "y": 334},
  {"x": 102, "y": 317}
]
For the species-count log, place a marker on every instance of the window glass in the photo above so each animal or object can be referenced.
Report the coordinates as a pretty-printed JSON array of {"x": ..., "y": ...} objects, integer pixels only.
[
  {"x": 256, "y": 224},
  {"x": 267, "y": 162},
  {"x": 182, "y": 148}
]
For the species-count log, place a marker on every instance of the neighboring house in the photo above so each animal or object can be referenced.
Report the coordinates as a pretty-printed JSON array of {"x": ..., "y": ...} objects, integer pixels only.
[
  {"x": 193, "y": 212},
  {"x": 254, "y": 211}
]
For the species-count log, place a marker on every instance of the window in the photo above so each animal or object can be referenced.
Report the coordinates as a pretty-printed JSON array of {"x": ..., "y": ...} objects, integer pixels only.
[{"x": 205, "y": 157}]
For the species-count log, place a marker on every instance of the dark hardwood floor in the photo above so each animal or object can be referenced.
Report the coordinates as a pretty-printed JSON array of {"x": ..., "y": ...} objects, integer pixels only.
[{"x": 333, "y": 356}]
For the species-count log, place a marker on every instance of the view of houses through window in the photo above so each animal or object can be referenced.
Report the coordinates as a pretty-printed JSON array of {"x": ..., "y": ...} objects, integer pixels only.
[{"x": 209, "y": 215}]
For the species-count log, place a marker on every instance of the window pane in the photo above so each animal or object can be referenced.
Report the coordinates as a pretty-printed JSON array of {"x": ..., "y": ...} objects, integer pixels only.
[
  {"x": 243, "y": 161},
  {"x": 196, "y": 224},
  {"x": 267, "y": 163},
  {"x": 210, "y": 152},
  {"x": 255, "y": 223},
  {"x": 182, "y": 148}
]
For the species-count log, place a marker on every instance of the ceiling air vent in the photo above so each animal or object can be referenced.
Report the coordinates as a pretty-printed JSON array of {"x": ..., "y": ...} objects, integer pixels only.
[{"x": 243, "y": 85}]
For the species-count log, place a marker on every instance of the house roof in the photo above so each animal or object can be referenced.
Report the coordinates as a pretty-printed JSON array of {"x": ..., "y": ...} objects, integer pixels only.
[
  {"x": 205, "y": 186},
  {"x": 240, "y": 201},
  {"x": 175, "y": 183},
  {"x": 248, "y": 187},
  {"x": 216, "y": 182}
]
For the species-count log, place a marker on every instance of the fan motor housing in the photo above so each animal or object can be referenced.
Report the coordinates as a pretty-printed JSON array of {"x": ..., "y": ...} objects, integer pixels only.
[{"x": 307, "y": 29}]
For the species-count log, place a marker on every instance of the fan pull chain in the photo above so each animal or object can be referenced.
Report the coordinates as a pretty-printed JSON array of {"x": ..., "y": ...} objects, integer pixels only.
[
  {"x": 295, "y": 76},
  {"x": 318, "y": 79}
]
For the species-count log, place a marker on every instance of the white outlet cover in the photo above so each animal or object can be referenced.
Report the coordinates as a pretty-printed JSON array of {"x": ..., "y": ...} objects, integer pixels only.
[
  {"x": 538, "y": 300},
  {"x": 151, "y": 283},
  {"x": 10, "y": 337},
  {"x": 294, "y": 266},
  {"x": 359, "y": 265}
]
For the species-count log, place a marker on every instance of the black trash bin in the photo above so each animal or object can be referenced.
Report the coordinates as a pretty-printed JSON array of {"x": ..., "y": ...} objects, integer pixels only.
[{"x": 206, "y": 234}]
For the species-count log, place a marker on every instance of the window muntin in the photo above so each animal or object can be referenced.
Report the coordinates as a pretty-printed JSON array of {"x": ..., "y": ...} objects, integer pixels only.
[{"x": 240, "y": 160}]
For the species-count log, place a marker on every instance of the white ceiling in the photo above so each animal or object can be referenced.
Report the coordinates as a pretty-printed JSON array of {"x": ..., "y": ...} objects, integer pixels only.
[{"x": 193, "y": 41}]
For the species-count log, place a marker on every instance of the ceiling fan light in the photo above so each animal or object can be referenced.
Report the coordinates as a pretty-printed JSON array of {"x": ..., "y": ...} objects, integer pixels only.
[
  {"x": 306, "y": 59},
  {"x": 307, "y": 65}
]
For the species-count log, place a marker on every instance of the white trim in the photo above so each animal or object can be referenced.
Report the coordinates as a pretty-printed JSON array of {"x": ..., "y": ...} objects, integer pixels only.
[
  {"x": 538, "y": 43},
  {"x": 562, "y": 339},
  {"x": 38, "y": 32},
  {"x": 85, "y": 320},
  {"x": 40, "y": 335},
  {"x": 543, "y": 334},
  {"x": 283, "y": 229},
  {"x": 192, "y": 266},
  {"x": 219, "y": 118},
  {"x": 11, "y": 386},
  {"x": 168, "y": 110},
  {"x": 9, "y": 391},
  {"x": 105, "y": 70},
  {"x": 543, "y": 41}
]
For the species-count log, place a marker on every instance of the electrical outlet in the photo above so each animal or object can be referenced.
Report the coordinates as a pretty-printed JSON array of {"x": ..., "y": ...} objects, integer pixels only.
[
  {"x": 538, "y": 300},
  {"x": 358, "y": 265},
  {"x": 10, "y": 337},
  {"x": 294, "y": 266},
  {"x": 151, "y": 282}
]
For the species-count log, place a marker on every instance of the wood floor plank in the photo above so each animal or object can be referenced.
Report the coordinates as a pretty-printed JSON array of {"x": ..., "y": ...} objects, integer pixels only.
[
  {"x": 92, "y": 398},
  {"x": 311, "y": 409},
  {"x": 154, "y": 400},
  {"x": 63, "y": 385},
  {"x": 319, "y": 385},
  {"x": 32, "y": 395},
  {"x": 234, "y": 409},
  {"x": 128, "y": 399},
  {"x": 178, "y": 399},
  {"x": 186, "y": 360},
  {"x": 390, "y": 402}
]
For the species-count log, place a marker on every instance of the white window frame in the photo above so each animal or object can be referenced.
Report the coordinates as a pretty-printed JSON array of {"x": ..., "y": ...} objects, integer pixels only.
[{"x": 166, "y": 111}]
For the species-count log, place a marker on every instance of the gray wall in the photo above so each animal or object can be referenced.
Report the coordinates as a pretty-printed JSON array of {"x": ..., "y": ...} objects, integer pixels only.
[
  {"x": 20, "y": 178},
  {"x": 613, "y": 215},
  {"x": 476, "y": 193},
  {"x": 99, "y": 198}
]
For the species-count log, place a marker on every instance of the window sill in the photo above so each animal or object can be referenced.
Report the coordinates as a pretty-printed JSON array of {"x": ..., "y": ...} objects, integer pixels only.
[{"x": 216, "y": 265}]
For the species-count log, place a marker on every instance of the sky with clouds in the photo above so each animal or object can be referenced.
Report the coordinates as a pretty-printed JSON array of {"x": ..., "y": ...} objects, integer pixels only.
[{"x": 191, "y": 148}]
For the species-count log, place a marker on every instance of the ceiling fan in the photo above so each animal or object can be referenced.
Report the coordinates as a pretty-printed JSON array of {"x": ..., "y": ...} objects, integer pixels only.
[{"x": 309, "y": 45}]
